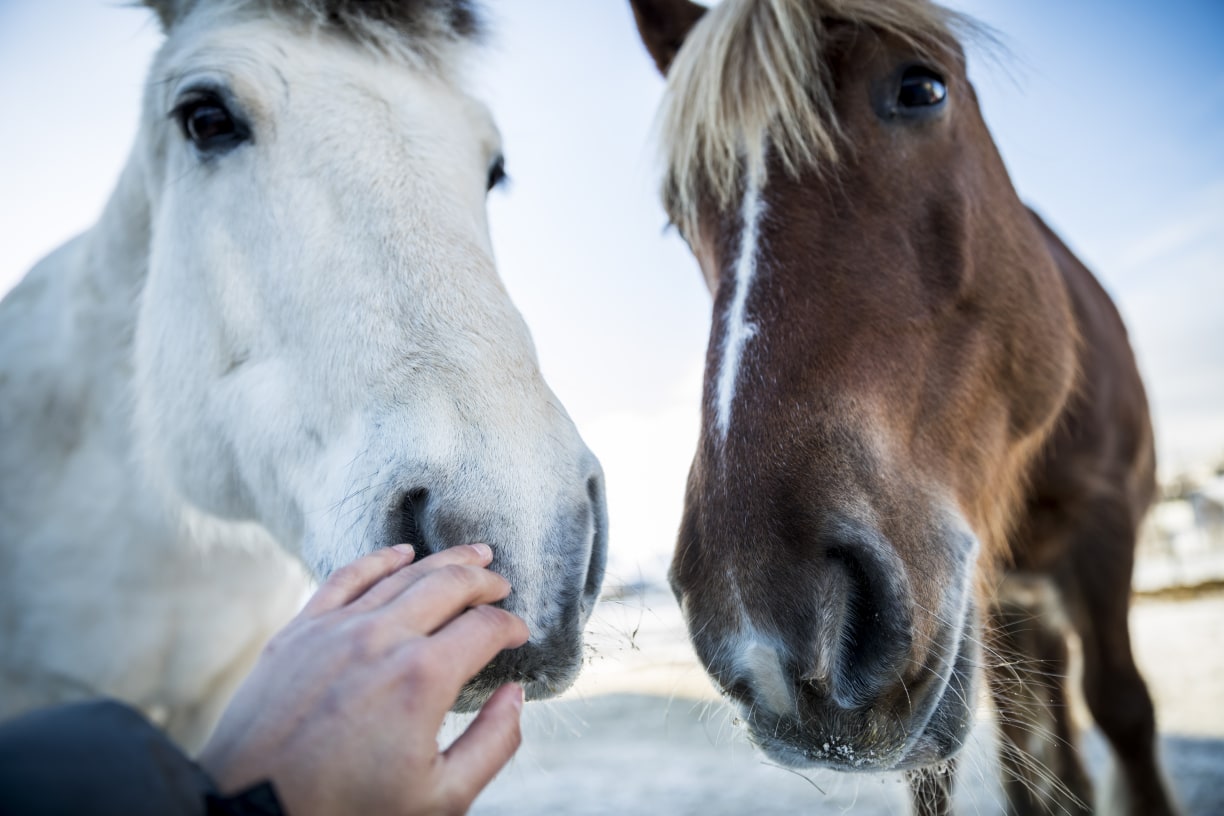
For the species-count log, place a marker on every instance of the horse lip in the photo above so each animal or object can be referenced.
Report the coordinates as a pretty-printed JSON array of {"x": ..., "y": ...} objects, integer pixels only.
[
  {"x": 946, "y": 725},
  {"x": 827, "y": 752},
  {"x": 543, "y": 669},
  {"x": 922, "y": 751},
  {"x": 535, "y": 687},
  {"x": 939, "y": 728}
]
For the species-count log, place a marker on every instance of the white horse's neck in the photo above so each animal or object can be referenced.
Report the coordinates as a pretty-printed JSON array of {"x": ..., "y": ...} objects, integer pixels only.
[
  {"x": 73, "y": 315},
  {"x": 120, "y": 239},
  {"x": 107, "y": 274},
  {"x": 104, "y": 587}
]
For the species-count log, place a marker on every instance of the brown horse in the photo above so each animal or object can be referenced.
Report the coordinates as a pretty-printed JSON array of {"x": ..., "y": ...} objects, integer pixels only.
[{"x": 926, "y": 446}]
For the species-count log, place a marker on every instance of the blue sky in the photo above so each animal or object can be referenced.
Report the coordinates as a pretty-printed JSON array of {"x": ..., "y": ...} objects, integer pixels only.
[{"x": 1110, "y": 116}]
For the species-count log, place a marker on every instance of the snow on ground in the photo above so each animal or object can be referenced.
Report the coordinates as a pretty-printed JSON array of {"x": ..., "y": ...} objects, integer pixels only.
[{"x": 643, "y": 732}]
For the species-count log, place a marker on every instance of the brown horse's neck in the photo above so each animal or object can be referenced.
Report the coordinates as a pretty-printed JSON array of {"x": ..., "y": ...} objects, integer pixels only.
[{"x": 1102, "y": 443}]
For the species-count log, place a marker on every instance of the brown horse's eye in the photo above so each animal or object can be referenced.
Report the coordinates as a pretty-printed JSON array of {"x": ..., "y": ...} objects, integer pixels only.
[
  {"x": 209, "y": 125},
  {"x": 921, "y": 88}
]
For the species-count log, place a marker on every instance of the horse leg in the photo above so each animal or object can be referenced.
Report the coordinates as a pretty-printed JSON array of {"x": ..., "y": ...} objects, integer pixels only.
[
  {"x": 931, "y": 790},
  {"x": 1042, "y": 772},
  {"x": 1097, "y": 580}
]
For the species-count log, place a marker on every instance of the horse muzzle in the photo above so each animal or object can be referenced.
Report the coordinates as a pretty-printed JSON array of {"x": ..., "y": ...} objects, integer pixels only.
[
  {"x": 556, "y": 576},
  {"x": 833, "y": 661},
  {"x": 916, "y": 721}
]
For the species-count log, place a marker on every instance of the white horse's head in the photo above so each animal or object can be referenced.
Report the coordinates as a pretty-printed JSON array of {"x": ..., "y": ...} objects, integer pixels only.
[{"x": 324, "y": 346}]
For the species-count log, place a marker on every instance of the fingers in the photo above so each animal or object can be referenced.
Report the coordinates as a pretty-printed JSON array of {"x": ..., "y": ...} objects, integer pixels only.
[
  {"x": 391, "y": 587},
  {"x": 444, "y": 593},
  {"x": 467, "y": 644},
  {"x": 485, "y": 747},
  {"x": 375, "y": 579},
  {"x": 352, "y": 581}
]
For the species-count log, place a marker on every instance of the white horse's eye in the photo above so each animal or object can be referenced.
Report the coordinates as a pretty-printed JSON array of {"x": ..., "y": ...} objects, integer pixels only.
[
  {"x": 208, "y": 124},
  {"x": 497, "y": 172}
]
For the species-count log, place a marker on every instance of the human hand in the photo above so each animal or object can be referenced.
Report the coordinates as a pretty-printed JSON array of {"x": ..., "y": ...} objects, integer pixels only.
[{"x": 343, "y": 708}]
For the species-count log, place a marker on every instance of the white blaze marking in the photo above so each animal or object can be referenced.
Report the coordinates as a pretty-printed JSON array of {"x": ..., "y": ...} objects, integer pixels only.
[
  {"x": 764, "y": 668},
  {"x": 738, "y": 329}
]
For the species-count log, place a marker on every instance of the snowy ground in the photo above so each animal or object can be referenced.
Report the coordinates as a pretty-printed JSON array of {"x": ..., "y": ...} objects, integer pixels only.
[{"x": 644, "y": 733}]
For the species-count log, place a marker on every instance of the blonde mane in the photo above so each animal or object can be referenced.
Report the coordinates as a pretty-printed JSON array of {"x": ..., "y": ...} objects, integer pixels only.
[{"x": 752, "y": 77}]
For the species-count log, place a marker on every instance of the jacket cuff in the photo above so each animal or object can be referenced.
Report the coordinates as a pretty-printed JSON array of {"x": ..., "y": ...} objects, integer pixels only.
[{"x": 258, "y": 800}]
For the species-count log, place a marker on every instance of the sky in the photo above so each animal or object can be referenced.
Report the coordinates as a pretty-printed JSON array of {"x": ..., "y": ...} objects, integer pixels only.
[{"x": 1109, "y": 115}]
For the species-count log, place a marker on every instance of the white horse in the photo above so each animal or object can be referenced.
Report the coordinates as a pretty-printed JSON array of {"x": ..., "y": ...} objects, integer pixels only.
[{"x": 284, "y": 337}]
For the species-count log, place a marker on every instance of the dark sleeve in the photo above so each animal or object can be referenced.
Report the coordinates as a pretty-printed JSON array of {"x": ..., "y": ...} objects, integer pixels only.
[{"x": 105, "y": 759}]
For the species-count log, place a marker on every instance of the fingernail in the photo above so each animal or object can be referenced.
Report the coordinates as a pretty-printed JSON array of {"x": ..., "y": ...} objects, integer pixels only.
[
  {"x": 482, "y": 550},
  {"x": 406, "y": 549},
  {"x": 516, "y": 699}
]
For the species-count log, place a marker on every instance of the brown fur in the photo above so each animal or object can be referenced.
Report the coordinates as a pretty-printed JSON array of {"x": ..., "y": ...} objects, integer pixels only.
[
  {"x": 716, "y": 123},
  {"x": 931, "y": 367}
]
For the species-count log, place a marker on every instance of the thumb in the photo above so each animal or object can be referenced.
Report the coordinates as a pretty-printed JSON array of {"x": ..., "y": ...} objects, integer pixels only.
[{"x": 486, "y": 746}]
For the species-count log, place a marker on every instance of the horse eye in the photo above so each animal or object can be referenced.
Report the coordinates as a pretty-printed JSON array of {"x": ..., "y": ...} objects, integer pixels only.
[
  {"x": 497, "y": 172},
  {"x": 921, "y": 88},
  {"x": 209, "y": 125}
]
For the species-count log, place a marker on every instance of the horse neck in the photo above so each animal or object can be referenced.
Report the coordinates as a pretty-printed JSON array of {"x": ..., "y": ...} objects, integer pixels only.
[
  {"x": 65, "y": 360},
  {"x": 112, "y": 270},
  {"x": 100, "y": 291}
]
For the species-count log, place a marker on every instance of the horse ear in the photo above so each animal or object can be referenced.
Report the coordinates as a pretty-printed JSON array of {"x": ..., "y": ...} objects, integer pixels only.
[
  {"x": 169, "y": 11},
  {"x": 663, "y": 25}
]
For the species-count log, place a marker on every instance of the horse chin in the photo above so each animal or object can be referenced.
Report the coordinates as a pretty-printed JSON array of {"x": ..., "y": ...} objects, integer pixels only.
[
  {"x": 951, "y": 721},
  {"x": 476, "y": 693},
  {"x": 473, "y": 696},
  {"x": 543, "y": 670}
]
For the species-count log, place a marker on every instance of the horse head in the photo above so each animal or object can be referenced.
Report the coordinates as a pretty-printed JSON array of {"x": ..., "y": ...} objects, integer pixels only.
[
  {"x": 323, "y": 345},
  {"x": 890, "y": 346}
]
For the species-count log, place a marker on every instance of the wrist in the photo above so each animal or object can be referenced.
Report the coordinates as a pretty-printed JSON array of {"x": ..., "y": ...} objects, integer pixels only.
[{"x": 256, "y": 800}]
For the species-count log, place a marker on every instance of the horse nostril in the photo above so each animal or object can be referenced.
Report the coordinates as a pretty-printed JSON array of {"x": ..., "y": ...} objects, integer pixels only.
[
  {"x": 406, "y": 524},
  {"x": 599, "y": 539},
  {"x": 874, "y": 636}
]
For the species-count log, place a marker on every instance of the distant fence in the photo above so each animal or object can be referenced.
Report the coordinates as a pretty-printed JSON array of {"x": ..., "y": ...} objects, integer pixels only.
[{"x": 1182, "y": 541}]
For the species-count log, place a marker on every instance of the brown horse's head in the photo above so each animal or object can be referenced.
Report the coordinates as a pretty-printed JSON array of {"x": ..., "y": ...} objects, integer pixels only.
[{"x": 890, "y": 345}]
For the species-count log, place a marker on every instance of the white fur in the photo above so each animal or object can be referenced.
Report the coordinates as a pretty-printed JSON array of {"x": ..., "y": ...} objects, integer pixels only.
[
  {"x": 255, "y": 355},
  {"x": 759, "y": 659},
  {"x": 738, "y": 329}
]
